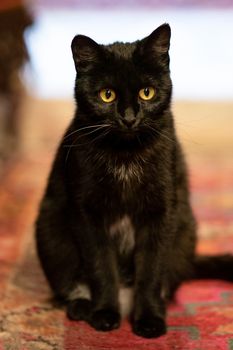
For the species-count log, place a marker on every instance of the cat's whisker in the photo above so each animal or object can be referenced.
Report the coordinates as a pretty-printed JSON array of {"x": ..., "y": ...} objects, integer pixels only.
[
  {"x": 68, "y": 153},
  {"x": 84, "y": 128},
  {"x": 95, "y": 139},
  {"x": 74, "y": 144},
  {"x": 86, "y": 134},
  {"x": 97, "y": 129},
  {"x": 162, "y": 134},
  {"x": 185, "y": 139}
]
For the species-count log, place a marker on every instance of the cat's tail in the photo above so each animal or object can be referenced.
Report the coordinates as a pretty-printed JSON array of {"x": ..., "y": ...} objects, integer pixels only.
[{"x": 214, "y": 267}]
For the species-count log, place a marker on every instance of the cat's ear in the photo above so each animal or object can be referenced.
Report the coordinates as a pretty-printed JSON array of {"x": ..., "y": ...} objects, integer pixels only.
[
  {"x": 86, "y": 52},
  {"x": 159, "y": 40},
  {"x": 156, "y": 45}
]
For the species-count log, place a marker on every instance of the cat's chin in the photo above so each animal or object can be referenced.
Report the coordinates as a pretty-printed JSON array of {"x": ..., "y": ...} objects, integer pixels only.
[
  {"x": 118, "y": 141},
  {"x": 129, "y": 134}
]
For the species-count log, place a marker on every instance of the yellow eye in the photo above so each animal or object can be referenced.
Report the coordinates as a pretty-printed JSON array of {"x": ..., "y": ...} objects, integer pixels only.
[
  {"x": 107, "y": 95},
  {"x": 147, "y": 93}
]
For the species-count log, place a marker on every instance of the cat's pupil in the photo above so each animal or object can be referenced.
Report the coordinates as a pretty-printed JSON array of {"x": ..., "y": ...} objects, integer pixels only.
[
  {"x": 108, "y": 94},
  {"x": 146, "y": 92}
]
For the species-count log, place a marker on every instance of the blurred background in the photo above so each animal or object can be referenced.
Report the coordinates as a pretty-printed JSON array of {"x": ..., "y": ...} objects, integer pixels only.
[{"x": 201, "y": 50}]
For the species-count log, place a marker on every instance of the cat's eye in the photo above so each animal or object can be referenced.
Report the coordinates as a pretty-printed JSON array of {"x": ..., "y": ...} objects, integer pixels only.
[
  {"x": 107, "y": 95},
  {"x": 147, "y": 93}
]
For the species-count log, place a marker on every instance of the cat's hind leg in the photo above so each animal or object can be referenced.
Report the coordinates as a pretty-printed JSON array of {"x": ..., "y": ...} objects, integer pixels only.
[
  {"x": 61, "y": 263},
  {"x": 66, "y": 263},
  {"x": 59, "y": 256}
]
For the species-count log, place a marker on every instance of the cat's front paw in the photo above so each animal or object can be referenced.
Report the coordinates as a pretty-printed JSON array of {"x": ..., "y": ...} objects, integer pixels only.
[
  {"x": 149, "y": 327},
  {"x": 79, "y": 309},
  {"x": 105, "y": 320}
]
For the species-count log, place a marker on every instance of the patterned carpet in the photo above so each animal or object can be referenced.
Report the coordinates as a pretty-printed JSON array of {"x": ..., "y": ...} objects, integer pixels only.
[{"x": 200, "y": 319}]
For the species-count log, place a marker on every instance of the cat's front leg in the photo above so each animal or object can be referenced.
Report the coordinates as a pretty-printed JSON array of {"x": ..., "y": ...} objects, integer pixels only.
[
  {"x": 100, "y": 311},
  {"x": 150, "y": 267},
  {"x": 100, "y": 267},
  {"x": 105, "y": 289}
]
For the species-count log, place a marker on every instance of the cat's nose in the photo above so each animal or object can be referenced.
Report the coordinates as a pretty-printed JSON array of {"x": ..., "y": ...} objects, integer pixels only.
[
  {"x": 129, "y": 121},
  {"x": 129, "y": 118}
]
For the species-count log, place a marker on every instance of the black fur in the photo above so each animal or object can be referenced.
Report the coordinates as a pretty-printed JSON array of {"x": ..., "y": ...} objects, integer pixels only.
[{"x": 105, "y": 173}]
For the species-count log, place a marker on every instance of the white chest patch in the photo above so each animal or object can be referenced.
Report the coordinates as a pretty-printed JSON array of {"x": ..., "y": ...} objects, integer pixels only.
[
  {"x": 123, "y": 231},
  {"x": 126, "y": 173}
]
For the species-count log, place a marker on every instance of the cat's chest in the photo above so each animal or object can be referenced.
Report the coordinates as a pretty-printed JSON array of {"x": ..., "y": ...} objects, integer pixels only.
[{"x": 126, "y": 175}]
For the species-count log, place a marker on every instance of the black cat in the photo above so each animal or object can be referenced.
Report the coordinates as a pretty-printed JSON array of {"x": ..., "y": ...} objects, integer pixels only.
[{"x": 116, "y": 211}]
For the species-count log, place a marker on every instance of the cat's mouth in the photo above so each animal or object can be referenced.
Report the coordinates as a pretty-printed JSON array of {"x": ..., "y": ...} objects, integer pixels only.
[
  {"x": 129, "y": 124},
  {"x": 128, "y": 133},
  {"x": 128, "y": 129}
]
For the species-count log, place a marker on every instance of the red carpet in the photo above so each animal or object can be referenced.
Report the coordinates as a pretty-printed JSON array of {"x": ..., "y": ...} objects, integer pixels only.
[{"x": 200, "y": 319}]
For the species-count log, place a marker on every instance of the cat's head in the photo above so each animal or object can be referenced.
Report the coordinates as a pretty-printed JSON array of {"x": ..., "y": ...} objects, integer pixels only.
[{"x": 126, "y": 87}]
